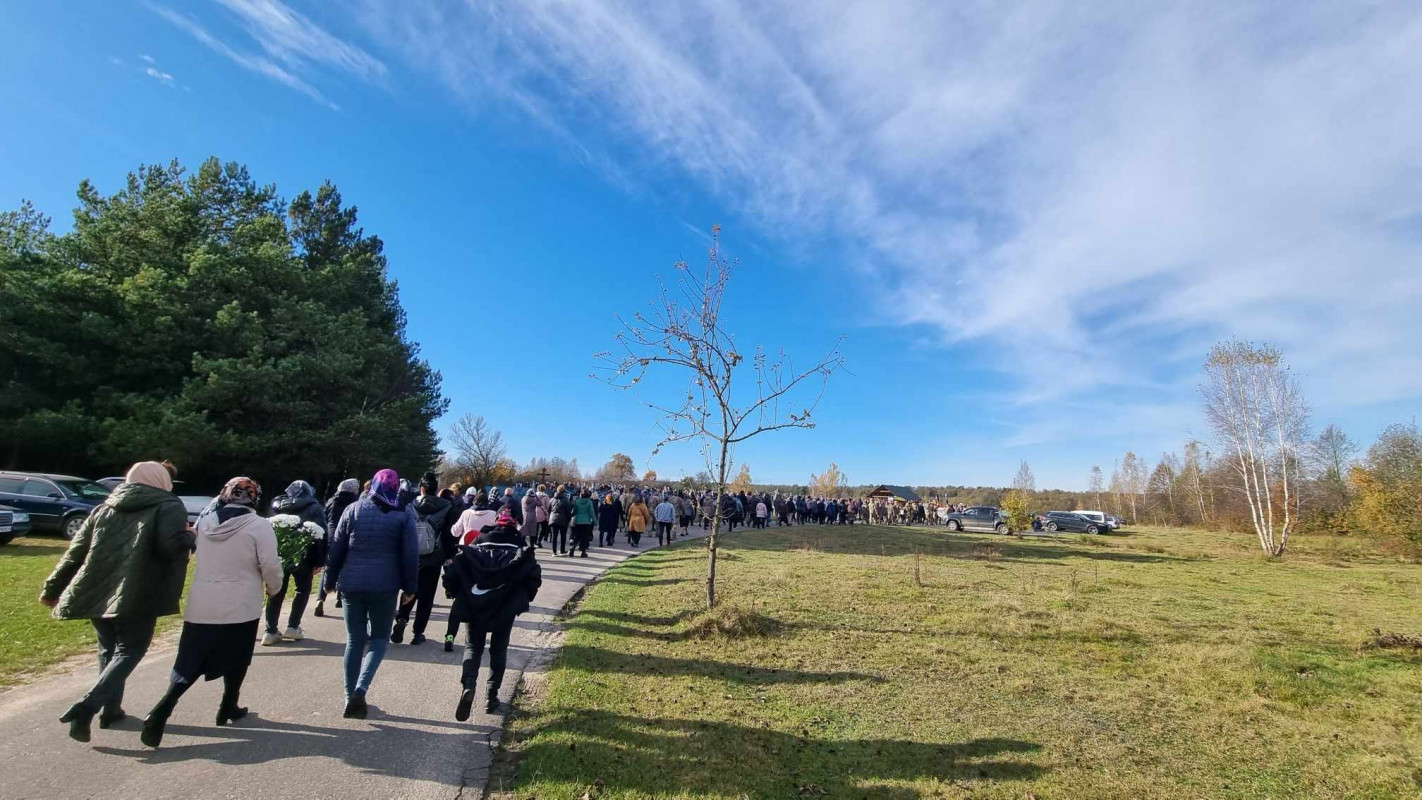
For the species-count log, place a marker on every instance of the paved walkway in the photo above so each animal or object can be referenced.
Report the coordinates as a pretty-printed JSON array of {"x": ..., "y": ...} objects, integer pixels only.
[{"x": 294, "y": 743}]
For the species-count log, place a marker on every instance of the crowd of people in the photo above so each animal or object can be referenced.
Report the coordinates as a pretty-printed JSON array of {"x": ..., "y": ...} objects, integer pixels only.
[{"x": 383, "y": 548}]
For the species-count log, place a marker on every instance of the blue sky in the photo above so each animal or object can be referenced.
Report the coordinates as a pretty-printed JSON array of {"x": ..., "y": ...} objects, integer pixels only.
[{"x": 1029, "y": 221}]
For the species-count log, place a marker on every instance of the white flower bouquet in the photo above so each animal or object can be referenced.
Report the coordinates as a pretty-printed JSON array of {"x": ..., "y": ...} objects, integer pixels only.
[{"x": 294, "y": 537}]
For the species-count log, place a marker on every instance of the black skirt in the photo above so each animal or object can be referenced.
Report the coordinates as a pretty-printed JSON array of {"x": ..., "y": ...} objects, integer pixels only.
[{"x": 213, "y": 651}]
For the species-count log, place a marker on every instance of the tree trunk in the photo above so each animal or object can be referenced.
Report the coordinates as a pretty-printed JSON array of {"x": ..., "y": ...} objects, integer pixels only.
[{"x": 715, "y": 530}]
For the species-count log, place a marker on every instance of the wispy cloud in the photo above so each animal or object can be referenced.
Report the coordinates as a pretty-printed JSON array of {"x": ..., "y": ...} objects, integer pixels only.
[
  {"x": 292, "y": 46},
  {"x": 147, "y": 58},
  {"x": 1090, "y": 194},
  {"x": 159, "y": 75}
]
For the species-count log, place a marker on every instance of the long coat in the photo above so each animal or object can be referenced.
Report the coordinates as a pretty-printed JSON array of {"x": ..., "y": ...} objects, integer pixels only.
[{"x": 129, "y": 560}]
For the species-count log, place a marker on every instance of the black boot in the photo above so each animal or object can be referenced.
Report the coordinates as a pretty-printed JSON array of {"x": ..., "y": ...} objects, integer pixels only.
[
  {"x": 79, "y": 719},
  {"x": 157, "y": 719},
  {"x": 398, "y": 634},
  {"x": 491, "y": 699},
  {"x": 108, "y": 719},
  {"x": 466, "y": 704}
]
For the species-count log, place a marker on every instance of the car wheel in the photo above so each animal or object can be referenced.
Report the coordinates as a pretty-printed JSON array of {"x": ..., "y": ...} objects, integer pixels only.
[
  {"x": 72, "y": 524},
  {"x": 6, "y": 538},
  {"x": 1092, "y": 529},
  {"x": 1001, "y": 528},
  {"x": 954, "y": 525},
  {"x": 1052, "y": 526}
]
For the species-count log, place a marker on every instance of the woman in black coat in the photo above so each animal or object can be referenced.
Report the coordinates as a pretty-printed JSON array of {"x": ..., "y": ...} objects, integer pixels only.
[
  {"x": 494, "y": 580},
  {"x": 609, "y": 516}
]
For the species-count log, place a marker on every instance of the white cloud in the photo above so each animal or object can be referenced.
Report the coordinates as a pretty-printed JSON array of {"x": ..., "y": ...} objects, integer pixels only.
[
  {"x": 293, "y": 44},
  {"x": 147, "y": 58},
  {"x": 160, "y": 75},
  {"x": 1090, "y": 192}
]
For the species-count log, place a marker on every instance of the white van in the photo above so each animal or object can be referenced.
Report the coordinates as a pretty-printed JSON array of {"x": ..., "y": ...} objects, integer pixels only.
[{"x": 1098, "y": 517}]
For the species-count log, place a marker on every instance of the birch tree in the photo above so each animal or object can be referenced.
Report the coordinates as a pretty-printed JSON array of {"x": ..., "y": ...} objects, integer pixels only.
[
  {"x": 1259, "y": 417},
  {"x": 684, "y": 334},
  {"x": 1097, "y": 486}
]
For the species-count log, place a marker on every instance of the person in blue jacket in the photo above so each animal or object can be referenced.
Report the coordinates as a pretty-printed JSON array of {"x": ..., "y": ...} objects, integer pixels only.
[{"x": 374, "y": 560}]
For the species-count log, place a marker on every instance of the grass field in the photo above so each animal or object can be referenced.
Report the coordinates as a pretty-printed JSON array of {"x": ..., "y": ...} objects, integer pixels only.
[
  {"x": 31, "y": 641},
  {"x": 1149, "y": 663}
]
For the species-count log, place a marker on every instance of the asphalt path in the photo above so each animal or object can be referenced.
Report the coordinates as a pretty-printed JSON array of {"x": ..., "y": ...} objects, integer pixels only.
[{"x": 294, "y": 743}]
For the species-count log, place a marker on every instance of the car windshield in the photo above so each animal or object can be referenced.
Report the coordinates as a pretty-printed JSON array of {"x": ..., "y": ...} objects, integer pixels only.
[{"x": 85, "y": 489}]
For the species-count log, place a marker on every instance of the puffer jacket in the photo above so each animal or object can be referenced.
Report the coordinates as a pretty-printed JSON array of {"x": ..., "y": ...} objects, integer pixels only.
[
  {"x": 584, "y": 511},
  {"x": 496, "y": 578},
  {"x": 375, "y": 549},
  {"x": 128, "y": 561}
]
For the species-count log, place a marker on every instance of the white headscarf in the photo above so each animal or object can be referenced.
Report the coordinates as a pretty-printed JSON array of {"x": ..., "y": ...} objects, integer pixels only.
[{"x": 150, "y": 473}]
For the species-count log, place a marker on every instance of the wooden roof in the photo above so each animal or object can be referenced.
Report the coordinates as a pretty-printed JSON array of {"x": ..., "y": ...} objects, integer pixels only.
[{"x": 898, "y": 493}]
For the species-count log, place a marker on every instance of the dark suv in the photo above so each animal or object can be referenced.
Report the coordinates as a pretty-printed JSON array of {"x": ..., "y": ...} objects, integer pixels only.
[
  {"x": 55, "y": 503},
  {"x": 1067, "y": 521},
  {"x": 977, "y": 518}
]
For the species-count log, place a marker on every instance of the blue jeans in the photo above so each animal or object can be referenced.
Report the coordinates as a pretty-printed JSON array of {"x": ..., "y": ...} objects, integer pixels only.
[{"x": 369, "y": 616}]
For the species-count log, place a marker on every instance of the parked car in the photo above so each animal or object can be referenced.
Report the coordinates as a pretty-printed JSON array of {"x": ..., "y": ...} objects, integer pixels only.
[
  {"x": 1072, "y": 522},
  {"x": 1116, "y": 522},
  {"x": 1100, "y": 518},
  {"x": 55, "y": 503},
  {"x": 194, "y": 502},
  {"x": 13, "y": 522},
  {"x": 977, "y": 518}
]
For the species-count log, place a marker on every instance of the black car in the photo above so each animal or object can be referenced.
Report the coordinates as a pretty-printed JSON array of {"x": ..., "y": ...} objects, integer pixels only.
[
  {"x": 55, "y": 503},
  {"x": 1067, "y": 521},
  {"x": 977, "y": 518},
  {"x": 13, "y": 522}
]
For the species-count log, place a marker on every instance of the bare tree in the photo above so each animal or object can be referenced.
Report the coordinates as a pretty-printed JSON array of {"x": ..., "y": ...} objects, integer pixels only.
[
  {"x": 1192, "y": 473},
  {"x": 479, "y": 449},
  {"x": 1024, "y": 481},
  {"x": 1097, "y": 486},
  {"x": 684, "y": 331},
  {"x": 1133, "y": 480},
  {"x": 1330, "y": 456},
  {"x": 1258, "y": 414}
]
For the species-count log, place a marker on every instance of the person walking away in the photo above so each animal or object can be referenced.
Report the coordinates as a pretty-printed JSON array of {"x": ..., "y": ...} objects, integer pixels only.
[
  {"x": 374, "y": 561},
  {"x": 496, "y": 579},
  {"x": 665, "y": 514},
  {"x": 609, "y": 516},
  {"x": 528, "y": 527},
  {"x": 299, "y": 501},
  {"x": 237, "y": 564},
  {"x": 761, "y": 512},
  {"x": 347, "y": 492},
  {"x": 683, "y": 511},
  {"x": 559, "y": 517},
  {"x": 708, "y": 510},
  {"x": 544, "y": 505},
  {"x": 434, "y": 521},
  {"x": 584, "y": 518},
  {"x": 471, "y": 523},
  {"x": 512, "y": 505},
  {"x": 638, "y": 518},
  {"x": 123, "y": 570}
]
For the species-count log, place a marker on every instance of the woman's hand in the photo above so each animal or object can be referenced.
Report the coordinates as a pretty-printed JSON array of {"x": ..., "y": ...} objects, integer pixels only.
[{"x": 406, "y": 598}]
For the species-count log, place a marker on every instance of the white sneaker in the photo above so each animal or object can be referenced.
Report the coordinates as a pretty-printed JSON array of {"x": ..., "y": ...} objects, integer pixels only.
[
  {"x": 292, "y": 635},
  {"x": 271, "y": 639}
]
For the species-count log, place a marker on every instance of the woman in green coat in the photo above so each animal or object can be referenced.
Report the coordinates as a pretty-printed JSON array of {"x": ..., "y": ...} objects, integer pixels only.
[{"x": 124, "y": 569}]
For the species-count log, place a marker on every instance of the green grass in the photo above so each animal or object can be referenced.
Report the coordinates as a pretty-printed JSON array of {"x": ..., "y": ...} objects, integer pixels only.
[
  {"x": 31, "y": 641},
  {"x": 1151, "y": 663}
]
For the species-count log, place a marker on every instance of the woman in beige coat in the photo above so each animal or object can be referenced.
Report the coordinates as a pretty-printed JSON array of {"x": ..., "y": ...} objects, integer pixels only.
[{"x": 237, "y": 567}]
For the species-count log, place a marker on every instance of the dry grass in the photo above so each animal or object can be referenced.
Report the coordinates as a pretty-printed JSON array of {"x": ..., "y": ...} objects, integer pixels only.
[{"x": 1167, "y": 663}]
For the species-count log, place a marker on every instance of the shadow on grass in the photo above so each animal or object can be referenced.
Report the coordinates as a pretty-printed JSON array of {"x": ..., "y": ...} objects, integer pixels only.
[
  {"x": 657, "y": 757},
  {"x": 875, "y": 540},
  {"x": 638, "y": 581},
  {"x": 597, "y": 661},
  {"x": 48, "y": 550}
]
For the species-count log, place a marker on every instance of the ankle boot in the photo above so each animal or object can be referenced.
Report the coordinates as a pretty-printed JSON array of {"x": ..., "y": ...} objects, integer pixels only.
[
  {"x": 157, "y": 720},
  {"x": 491, "y": 702},
  {"x": 229, "y": 711},
  {"x": 79, "y": 719}
]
